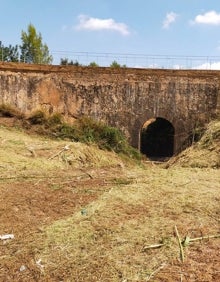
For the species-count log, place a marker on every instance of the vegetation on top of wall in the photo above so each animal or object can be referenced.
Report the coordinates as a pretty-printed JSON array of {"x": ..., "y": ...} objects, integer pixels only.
[
  {"x": 93, "y": 64},
  {"x": 115, "y": 64},
  {"x": 67, "y": 62}
]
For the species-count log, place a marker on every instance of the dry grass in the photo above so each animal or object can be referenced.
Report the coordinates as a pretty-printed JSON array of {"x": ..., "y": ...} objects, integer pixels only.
[
  {"x": 23, "y": 154},
  {"x": 105, "y": 240},
  {"x": 205, "y": 153}
]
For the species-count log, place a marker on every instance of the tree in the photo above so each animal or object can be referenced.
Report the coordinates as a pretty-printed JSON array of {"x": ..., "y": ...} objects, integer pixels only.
[
  {"x": 33, "y": 51},
  {"x": 9, "y": 54}
]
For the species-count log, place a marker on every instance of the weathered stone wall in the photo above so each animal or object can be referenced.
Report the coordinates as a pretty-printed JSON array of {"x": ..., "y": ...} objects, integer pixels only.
[{"x": 124, "y": 98}]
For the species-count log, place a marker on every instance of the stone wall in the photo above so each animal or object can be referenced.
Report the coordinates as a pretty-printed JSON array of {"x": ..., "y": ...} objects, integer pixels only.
[{"x": 121, "y": 97}]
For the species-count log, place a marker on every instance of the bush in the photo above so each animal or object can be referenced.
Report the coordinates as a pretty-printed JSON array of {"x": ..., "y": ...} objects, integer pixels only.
[
  {"x": 55, "y": 119},
  {"x": 93, "y": 64},
  {"x": 38, "y": 117},
  {"x": 84, "y": 130},
  {"x": 115, "y": 64},
  {"x": 106, "y": 137}
]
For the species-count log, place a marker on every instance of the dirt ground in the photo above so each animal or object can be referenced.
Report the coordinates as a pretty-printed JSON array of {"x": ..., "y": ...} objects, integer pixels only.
[
  {"x": 30, "y": 203},
  {"x": 26, "y": 207}
]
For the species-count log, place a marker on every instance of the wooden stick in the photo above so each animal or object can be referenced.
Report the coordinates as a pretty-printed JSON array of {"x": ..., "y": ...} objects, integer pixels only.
[
  {"x": 204, "y": 237},
  {"x": 182, "y": 257},
  {"x": 66, "y": 148},
  {"x": 155, "y": 246}
]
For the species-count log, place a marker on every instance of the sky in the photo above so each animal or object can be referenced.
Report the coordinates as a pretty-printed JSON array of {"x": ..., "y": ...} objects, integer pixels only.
[{"x": 167, "y": 28}]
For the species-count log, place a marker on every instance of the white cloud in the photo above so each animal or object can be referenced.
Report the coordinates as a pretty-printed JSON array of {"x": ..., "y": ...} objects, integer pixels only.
[
  {"x": 209, "y": 66},
  {"x": 170, "y": 18},
  {"x": 89, "y": 23},
  {"x": 210, "y": 18}
]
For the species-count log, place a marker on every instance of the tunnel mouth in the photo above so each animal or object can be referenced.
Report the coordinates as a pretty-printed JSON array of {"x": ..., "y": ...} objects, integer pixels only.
[{"x": 157, "y": 139}]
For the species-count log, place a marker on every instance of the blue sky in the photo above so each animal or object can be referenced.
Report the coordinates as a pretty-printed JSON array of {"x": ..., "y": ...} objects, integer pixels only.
[{"x": 158, "y": 27}]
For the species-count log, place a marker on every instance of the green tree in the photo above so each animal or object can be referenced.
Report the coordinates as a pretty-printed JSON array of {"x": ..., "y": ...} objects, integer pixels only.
[
  {"x": 9, "y": 54},
  {"x": 32, "y": 49}
]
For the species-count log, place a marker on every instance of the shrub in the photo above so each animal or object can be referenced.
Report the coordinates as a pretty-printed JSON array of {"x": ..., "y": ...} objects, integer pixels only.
[
  {"x": 86, "y": 130},
  {"x": 38, "y": 117},
  {"x": 55, "y": 119},
  {"x": 115, "y": 64},
  {"x": 93, "y": 64}
]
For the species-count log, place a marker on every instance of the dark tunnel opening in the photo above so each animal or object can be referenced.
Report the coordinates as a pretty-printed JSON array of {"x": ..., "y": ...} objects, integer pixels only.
[{"x": 157, "y": 139}]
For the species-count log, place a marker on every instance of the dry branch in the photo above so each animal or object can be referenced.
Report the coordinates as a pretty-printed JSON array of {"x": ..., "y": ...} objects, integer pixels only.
[
  {"x": 182, "y": 257},
  {"x": 205, "y": 237},
  {"x": 188, "y": 240},
  {"x": 66, "y": 148},
  {"x": 155, "y": 246}
]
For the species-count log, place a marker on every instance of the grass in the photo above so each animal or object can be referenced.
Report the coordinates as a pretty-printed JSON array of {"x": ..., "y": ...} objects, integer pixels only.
[
  {"x": 17, "y": 147},
  {"x": 84, "y": 130},
  {"x": 203, "y": 154}
]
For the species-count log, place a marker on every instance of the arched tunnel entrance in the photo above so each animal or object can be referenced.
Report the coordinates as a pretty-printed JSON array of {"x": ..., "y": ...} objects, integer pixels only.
[{"x": 157, "y": 139}]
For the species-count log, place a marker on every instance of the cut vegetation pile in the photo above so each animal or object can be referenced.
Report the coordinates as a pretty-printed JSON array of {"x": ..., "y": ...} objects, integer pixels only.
[
  {"x": 205, "y": 153},
  {"x": 78, "y": 213}
]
